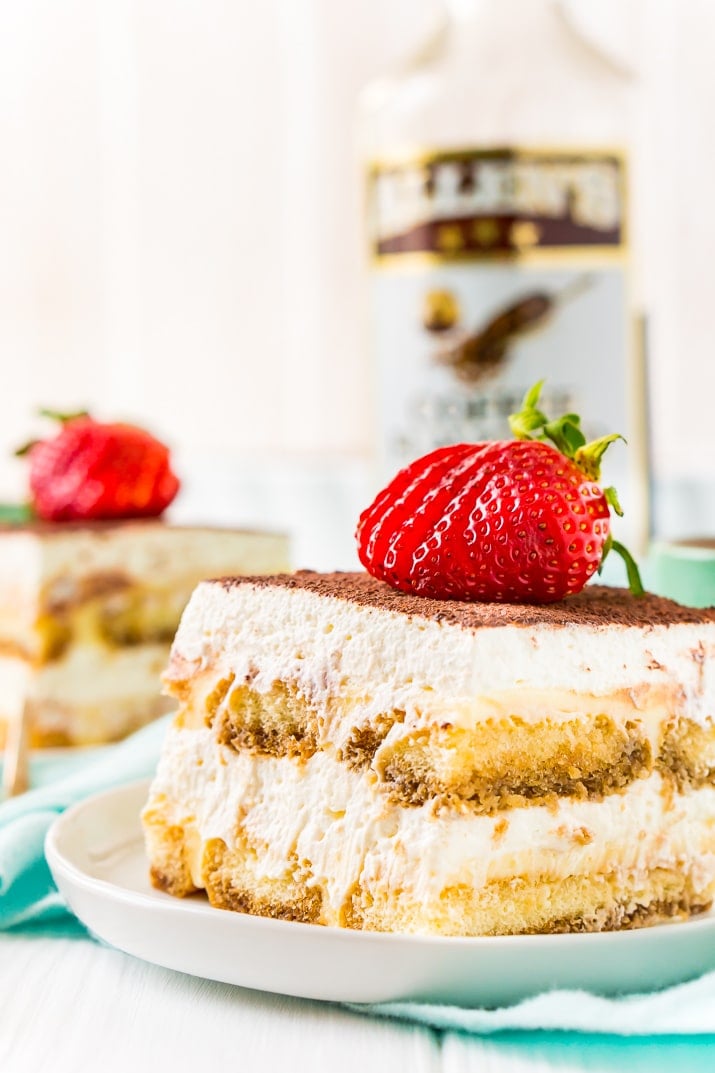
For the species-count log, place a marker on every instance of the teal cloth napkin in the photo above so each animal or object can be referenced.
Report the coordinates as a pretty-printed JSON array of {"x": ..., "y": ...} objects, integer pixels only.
[
  {"x": 30, "y": 900},
  {"x": 686, "y": 1009},
  {"x": 28, "y": 894}
]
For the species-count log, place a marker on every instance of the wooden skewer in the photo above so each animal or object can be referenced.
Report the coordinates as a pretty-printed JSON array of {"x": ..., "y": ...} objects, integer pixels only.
[{"x": 16, "y": 767}]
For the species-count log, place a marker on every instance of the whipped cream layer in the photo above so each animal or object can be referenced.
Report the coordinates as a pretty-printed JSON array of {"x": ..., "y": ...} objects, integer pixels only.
[
  {"x": 44, "y": 567},
  {"x": 337, "y": 823},
  {"x": 91, "y": 694},
  {"x": 346, "y": 656}
]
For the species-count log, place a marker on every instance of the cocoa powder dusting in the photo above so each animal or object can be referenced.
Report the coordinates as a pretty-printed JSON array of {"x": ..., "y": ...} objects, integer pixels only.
[{"x": 597, "y": 605}]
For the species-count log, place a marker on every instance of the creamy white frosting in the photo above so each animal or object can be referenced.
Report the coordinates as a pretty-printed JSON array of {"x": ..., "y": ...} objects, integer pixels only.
[
  {"x": 93, "y": 693},
  {"x": 380, "y": 660},
  {"x": 94, "y": 674},
  {"x": 338, "y": 822},
  {"x": 41, "y": 565}
]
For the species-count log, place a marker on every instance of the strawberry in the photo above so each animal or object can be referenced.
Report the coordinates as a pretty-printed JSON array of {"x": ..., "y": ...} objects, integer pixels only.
[
  {"x": 518, "y": 521},
  {"x": 90, "y": 470}
]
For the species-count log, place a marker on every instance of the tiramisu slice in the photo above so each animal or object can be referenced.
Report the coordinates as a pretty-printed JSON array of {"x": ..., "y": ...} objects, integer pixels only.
[
  {"x": 350, "y": 755},
  {"x": 88, "y": 612},
  {"x": 93, "y": 583}
]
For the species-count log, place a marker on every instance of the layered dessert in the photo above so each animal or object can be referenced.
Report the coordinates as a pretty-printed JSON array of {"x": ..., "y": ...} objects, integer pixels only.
[
  {"x": 347, "y": 754},
  {"x": 93, "y": 584},
  {"x": 87, "y": 614}
]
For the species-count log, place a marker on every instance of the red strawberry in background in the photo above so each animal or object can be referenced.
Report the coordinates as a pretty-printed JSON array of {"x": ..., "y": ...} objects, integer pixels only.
[
  {"x": 518, "y": 521},
  {"x": 90, "y": 471}
]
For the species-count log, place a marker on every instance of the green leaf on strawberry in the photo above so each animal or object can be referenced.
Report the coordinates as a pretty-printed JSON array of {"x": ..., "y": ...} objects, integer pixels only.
[
  {"x": 62, "y": 416},
  {"x": 566, "y": 435}
]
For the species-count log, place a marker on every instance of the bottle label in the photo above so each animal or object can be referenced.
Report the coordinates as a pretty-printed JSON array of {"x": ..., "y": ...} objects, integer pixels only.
[
  {"x": 495, "y": 268},
  {"x": 485, "y": 203}
]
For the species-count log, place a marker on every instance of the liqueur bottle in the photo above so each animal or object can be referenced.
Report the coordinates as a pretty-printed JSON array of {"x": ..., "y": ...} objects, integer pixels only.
[{"x": 497, "y": 214}]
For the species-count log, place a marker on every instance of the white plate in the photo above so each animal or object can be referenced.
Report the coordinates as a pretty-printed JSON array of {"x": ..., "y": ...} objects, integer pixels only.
[{"x": 96, "y": 854}]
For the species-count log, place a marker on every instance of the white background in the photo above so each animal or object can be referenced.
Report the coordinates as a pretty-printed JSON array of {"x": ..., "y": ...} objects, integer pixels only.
[{"x": 180, "y": 235}]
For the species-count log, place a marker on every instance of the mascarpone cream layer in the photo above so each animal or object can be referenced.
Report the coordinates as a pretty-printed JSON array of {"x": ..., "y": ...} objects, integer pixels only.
[
  {"x": 39, "y": 567},
  {"x": 375, "y": 661},
  {"x": 86, "y": 674},
  {"x": 335, "y": 820},
  {"x": 93, "y": 694}
]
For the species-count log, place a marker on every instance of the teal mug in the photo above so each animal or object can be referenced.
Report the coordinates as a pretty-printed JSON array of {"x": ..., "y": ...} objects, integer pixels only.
[{"x": 684, "y": 570}]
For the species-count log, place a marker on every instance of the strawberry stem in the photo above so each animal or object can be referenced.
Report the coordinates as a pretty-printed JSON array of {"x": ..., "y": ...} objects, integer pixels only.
[{"x": 634, "y": 577}]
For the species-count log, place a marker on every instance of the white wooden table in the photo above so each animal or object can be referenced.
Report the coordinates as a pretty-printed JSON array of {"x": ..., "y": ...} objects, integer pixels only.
[
  {"x": 73, "y": 1006},
  {"x": 70, "y": 1006}
]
